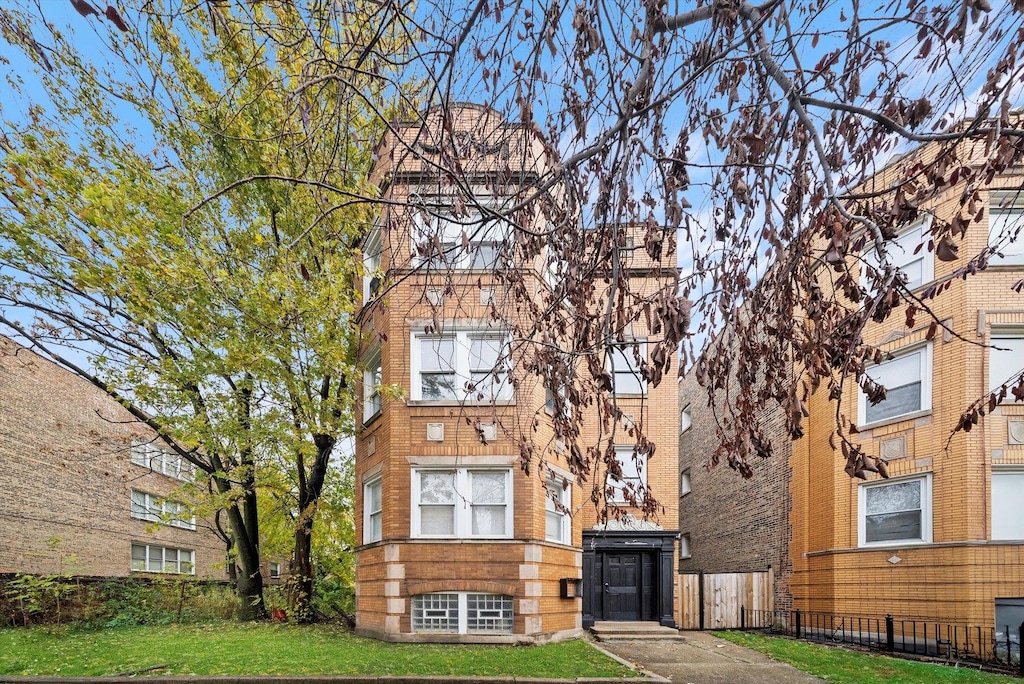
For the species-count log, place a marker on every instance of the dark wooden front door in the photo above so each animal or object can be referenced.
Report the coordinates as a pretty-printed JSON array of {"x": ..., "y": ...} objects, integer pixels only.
[{"x": 622, "y": 586}]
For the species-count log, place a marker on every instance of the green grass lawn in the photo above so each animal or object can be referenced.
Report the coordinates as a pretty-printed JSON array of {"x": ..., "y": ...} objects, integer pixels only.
[
  {"x": 233, "y": 648},
  {"x": 854, "y": 667}
]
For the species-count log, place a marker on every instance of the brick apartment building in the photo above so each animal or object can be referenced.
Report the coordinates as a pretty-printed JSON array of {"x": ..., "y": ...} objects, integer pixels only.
[
  {"x": 84, "y": 485},
  {"x": 942, "y": 539},
  {"x": 456, "y": 541}
]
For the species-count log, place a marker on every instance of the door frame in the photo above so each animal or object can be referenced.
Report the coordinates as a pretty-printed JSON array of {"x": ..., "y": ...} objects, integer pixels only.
[{"x": 658, "y": 545}]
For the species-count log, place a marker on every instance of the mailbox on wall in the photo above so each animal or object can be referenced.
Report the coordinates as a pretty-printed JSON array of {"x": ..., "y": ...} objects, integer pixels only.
[{"x": 572, "y": 587}]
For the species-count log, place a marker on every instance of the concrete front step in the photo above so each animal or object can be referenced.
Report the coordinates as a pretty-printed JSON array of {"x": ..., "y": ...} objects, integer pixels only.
[{"x": 634, "y": 631}]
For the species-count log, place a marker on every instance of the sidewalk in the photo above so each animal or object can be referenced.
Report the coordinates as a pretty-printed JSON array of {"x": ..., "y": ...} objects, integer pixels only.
[{"x": 704, "y": 659}]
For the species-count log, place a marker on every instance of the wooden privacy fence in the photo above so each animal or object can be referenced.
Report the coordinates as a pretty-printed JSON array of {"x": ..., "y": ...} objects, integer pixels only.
[{"x": 713, "y": 600}]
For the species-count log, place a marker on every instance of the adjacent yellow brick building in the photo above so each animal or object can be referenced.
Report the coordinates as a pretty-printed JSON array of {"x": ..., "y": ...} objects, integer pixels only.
[
  {"x": 943, "y": 538},
  {"x": 460, "y": 537}
]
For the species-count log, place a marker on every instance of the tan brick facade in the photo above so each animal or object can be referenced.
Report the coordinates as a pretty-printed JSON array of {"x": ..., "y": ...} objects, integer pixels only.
[
  {"x": 67, "y": 478},
  {"x": 959, "y": 571},
  {"x": 411, "y": 436}
]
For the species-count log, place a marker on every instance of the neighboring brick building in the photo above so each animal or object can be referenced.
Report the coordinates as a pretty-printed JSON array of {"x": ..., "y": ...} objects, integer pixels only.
[
  {"x": 457, "y": 542},
  {"x": 943, "y": 538},
  {"x": 730, "y": 524},
  {"x": 83, "y": 484}
]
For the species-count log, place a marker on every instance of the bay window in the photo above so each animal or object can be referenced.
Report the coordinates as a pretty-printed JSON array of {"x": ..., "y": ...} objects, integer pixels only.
[
  {"x": 373, "y": 506},
  {"x": 461, "y": 366},
  {"x": 372, "y": 379},
  {"x": 442, "y": 239},
  {"x": 557, "y": 502},
  {"x": 462, "y": 502}
]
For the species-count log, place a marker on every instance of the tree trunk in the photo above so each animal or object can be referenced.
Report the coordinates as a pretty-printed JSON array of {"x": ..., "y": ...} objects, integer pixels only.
[
  {"x": 250, "y": 578},
  {"x": 310, "y": 489},
  {"x": 300, "y": 581}
]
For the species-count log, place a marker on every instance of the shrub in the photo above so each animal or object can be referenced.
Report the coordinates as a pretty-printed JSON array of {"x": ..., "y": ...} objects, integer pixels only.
[{"x": 117, "y": 601}]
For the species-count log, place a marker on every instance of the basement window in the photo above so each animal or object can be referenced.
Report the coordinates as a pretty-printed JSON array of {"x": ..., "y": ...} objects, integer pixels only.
[{"x": 462, "y": 613}]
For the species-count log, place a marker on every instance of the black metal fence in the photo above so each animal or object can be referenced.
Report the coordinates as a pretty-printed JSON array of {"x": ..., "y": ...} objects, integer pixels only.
[{"x": 951, "y": 642}]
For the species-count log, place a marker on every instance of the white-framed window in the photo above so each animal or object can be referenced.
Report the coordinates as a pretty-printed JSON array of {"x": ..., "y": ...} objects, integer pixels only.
[
  {"x": 557, "y": 504},
  {"x": 1007, "y": 493},
  {"x": 908, "y": 252},
  {"x": 625, "y": 362},
  {"x": 1006, "y": 227},
  {"x": 462, "y": 613},
  {"x": 372, "y": 378},
  {"x": 373, "y": 507},
  {"x": 441, "y": 239},
  {"x": 373, "y": 248},
  {"x": 148, "y": 455},
  {"x": 149, "y": 558},
  {"x": 1005, "y": 358},
  {"x": 685, "y": 420},
  {"x": 462, "y": 502},
  {"x": 895, "y": 511},
  {"x": 684, "y": 545},
  {"x": 634, "y": 475},
  {"x": 275, "y": 570},
  {"x": 150, "y": 507},
  {"x": 907, "y": 379},
  {"x": 685, "y": 486},
  {"x": 465, "y": 365}
]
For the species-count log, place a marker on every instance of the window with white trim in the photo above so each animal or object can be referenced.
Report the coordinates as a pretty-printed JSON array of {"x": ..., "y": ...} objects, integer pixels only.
[
  {"x": 625, "y": 360},
  {"x": 153, "y": 508},
  {"x": 1005, "y": 359},
  {"x": 685, "y": 486},
  {"x": 149, "y": 558},
  {"x": 557, "y": 503},
  {"x": 634, "y": 475},
  {"x": 1007, "y": 493},
  {"x": 907, "y": 379},
  {"x": 441, "y": 239},
  {"x": 373, "y": 248},
  {"x": 461, "y": 366},
  {"x": 148, "y": 455},
  {"x": 462, "y": 613},
  {"x": 462, "y": 502},
  {"x": 685, "y": 420},
  {"x": 908, "y": 252},
  {"x": 684, "y": 545},
  {"x": 373, "y": 510},
  {"x": 895, "y": 511},
  {"x": 1006, "y": 227},
  {"x": 275, "y": 570},
  {"x": 372, "y": 379}
]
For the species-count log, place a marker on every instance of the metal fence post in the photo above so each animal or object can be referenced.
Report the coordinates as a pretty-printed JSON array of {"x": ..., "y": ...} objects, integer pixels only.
[
  {"x": 743, "y": 617},
  {"x": 797, "y": 614},
  {"x": 1020, "y": 651},
  {"x": 890, "y": 633}
]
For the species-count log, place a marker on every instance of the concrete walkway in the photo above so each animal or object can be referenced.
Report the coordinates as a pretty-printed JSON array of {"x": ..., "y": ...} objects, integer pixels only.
[{"x": 705, "y": 659}]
